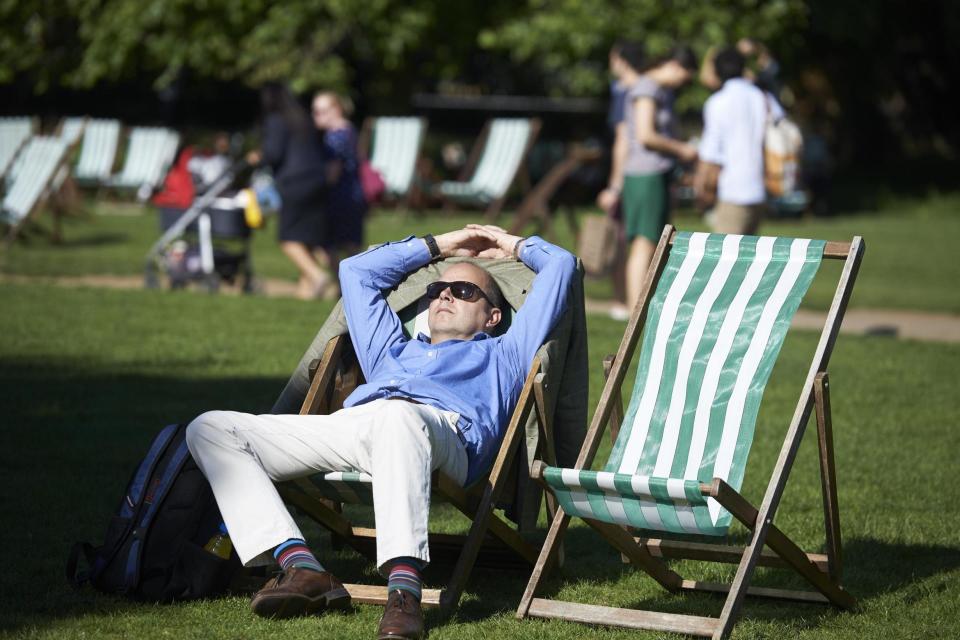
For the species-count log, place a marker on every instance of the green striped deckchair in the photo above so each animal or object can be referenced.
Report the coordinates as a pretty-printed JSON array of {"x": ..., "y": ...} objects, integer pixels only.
[
  {"x": 150, "y": 152},
  {"x": 494, "y": 164},
  {"x": 71, "y": 129},
  {"x": 490, "y": 539},
  {"x": 394, "y": 152},
  {"x": 98, "y": 150},
  {"x": 37, "y": 167},
  {"x": 14, "y": 132},
  {"x": 717, "y": 316}
]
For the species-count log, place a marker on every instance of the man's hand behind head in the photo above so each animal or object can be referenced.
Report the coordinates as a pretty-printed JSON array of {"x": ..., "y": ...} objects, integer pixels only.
[{"x": 471, "y": 241}]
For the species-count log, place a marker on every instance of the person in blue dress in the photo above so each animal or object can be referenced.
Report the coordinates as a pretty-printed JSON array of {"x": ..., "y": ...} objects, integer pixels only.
[{"x": 345, "y": 205}]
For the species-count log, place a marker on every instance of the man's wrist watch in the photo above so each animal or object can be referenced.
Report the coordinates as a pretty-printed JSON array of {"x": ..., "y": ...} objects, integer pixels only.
[
  {"x": 516, "y": 248},
  {"x": 433, "y": 247}
]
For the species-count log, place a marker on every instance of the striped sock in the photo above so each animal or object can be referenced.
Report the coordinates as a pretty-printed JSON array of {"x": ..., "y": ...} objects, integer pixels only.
[
  {"x": 295, "y": 553},
  {"x": 405, "y": 575}
]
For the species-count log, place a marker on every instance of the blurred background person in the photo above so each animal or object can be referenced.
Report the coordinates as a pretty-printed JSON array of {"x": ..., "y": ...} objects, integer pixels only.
[
  {"x": 293, "y": 149},
  {"x": 345, "y": 205},
  {"x": 730, "y": 171},
  {"x": 645, "y": 152}
]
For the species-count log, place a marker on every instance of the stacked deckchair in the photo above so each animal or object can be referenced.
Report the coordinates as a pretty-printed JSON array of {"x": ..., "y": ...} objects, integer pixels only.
[
  {"x": 493, "y": 165},
  {"x": 150, "y": 152},
  {"x": 35, "y": 180},
  {"x": 14, "y": 132},
  {"x": 716, "y": 309},
  {"x": 98, "y": 151},
  {"x": 395, "y": 144},
  {"x": 553, "y": 398}
]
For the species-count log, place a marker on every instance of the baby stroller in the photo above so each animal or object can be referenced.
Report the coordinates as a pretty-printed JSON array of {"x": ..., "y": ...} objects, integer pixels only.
[{"x": 207, "y": 242}]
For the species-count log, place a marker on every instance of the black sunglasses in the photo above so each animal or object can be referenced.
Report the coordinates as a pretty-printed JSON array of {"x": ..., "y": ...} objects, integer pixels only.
[{"x": 459, "y": 289}]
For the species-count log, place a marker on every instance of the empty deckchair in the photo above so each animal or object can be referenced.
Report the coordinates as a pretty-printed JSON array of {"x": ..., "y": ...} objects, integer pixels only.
[
  {"x": 98, "y": 151},
  {"x": 150, "y": 152},
  {"x": 395, "y": 145},
  {"x": 554, "y": 393},
  {"x": 40, "y": 161},
  {"x": 71, "y": 129},
  {"x": 13, "y": 134},
  {"x": 717, "y": 308},
  {"x": 493, "y": 165}
]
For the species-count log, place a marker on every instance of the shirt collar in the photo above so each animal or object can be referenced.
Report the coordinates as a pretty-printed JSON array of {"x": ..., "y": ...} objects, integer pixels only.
[{"x": 480, "y": 336}]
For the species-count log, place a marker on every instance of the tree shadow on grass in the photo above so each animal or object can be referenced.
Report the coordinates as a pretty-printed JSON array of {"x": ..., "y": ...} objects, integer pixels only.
[{"x": 72, "y": 433}]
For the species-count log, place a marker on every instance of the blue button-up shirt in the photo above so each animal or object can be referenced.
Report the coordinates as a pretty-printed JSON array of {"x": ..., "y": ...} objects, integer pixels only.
[{"x": 480, "y": 379}]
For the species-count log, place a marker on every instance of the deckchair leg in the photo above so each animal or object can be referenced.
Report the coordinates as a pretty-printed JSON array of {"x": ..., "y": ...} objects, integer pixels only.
[
  {"x": 828, "y": 475},
  {"x": 548, "y": 553}
]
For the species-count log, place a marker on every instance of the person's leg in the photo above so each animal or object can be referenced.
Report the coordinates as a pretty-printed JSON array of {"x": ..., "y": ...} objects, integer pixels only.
[
  {"x": 412, "y": 441},
  {"x": 313, "y": 278},
  {"x": 641, "y": 251}
]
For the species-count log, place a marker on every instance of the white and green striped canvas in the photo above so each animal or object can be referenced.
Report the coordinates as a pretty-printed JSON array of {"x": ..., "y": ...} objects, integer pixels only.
[
  {"x": 715, "y": 326},
  {"x": 38, "y": 161},
  {"x": 396, "y": 144},
  {"x": 97, "y": 151},
  {"x": 14, "y": 132},
  {"x": 150, "y": 153},
  {"x": 501, "y": 158}
]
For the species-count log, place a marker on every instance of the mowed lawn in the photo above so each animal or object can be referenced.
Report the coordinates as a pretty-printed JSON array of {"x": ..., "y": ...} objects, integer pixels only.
[{"x": 87, "y": 376}]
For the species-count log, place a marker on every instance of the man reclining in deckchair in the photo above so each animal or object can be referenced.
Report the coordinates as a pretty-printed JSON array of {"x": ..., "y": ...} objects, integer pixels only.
[{"x": 428, "y": 403}]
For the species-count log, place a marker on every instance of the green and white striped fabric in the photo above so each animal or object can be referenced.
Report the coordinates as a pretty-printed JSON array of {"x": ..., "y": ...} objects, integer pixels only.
[
  {"x": 150, "y": 153},
  {"x": 13, "y": 134},
  {"x": 501, "y": 158},
  {"x": 36, "y": 166},
  {"x": 72, "y": 129},
  {"x": 97, "y": 151},
  {"x": 396, "y": 144},
  {"x": 715, "y": 326}
]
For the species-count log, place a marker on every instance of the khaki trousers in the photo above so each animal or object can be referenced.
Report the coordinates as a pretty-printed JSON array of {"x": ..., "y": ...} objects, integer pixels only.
[
  {"x": 398, "y": 443},
  {"x": 737, "y": 218}
]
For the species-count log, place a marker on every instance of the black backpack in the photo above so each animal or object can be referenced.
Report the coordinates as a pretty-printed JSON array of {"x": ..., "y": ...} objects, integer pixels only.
[{"x": 153, "y": 549}]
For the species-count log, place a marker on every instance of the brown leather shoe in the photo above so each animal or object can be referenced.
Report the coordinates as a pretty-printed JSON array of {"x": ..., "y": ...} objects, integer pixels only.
[
  {"x": 297, "y": 592},
  {"x": 402, "y": 618}
]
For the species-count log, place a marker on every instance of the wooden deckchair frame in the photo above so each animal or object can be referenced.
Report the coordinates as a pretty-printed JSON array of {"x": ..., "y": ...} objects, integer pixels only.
[
  {"x": 476, "y": 152},
  {"x": 365, "y": 142},
  {"x": 823, "y": 571},
  {"x": 336, "y": 375}
]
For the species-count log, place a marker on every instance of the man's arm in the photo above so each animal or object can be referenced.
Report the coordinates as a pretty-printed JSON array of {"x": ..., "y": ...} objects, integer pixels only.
[{"x": 711, "y": 157}]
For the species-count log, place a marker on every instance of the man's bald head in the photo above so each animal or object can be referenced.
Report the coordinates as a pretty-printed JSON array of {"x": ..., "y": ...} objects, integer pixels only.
[{"x": 451, "y": 318}]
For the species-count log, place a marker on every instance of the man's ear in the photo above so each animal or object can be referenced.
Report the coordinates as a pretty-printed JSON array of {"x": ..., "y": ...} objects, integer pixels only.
[{"x": 494, "y": 319}]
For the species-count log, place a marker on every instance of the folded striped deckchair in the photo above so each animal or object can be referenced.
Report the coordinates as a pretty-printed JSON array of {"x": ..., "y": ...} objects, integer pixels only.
[
  {"x": 395, "y": 144},
  {"x": 549, "y": 392},
  {"x": 14, "y": 132},
  {"x": 98, "y": 151},
  {"x": 718, "y": 313},
  {"x": 493, "y": 165},
  {"x": 37, "y": 169},
  {"x": 150, "y": 152}
]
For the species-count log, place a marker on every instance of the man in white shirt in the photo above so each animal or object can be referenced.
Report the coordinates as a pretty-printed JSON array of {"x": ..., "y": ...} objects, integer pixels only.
[{"x": 730, "y": 171}]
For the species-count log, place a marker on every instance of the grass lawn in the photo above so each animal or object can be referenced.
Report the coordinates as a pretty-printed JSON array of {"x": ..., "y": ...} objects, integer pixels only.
[
  {"x": 88, "y": 376},
  {"x": 910, "y": 248}
]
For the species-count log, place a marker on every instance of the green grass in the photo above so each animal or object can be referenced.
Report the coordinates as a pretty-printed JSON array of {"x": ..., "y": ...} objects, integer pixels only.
[
  {"x": 87, "y": 376},
  {"x": 910, "y": 248}
]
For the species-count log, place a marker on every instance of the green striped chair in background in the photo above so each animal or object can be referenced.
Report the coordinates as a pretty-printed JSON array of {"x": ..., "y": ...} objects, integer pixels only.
[
  {"x": 14, "y": 132},
  {"x": 717, "y": 317},
  {"x": 71, "y": 129},
  {"x": 98, "y": 151},
  {"x": 394, "y": 144},
  {"x": 490, "y": 541},
  {"x": 37, "y": 169},
  {"x": 494, "y": 163},
  {"x": 150, "y": 152}
]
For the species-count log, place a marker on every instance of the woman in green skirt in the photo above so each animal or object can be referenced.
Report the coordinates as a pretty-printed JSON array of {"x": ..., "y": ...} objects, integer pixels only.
[{"x": 644, "y": 154}]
